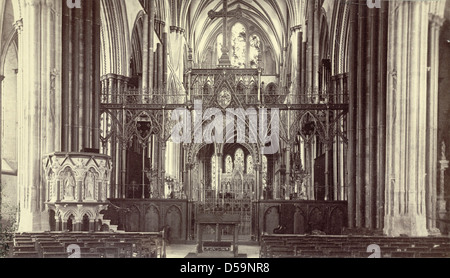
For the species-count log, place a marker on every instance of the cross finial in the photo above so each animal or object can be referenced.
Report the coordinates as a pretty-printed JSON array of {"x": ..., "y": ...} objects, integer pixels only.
[{"x": 224, "y": 60}]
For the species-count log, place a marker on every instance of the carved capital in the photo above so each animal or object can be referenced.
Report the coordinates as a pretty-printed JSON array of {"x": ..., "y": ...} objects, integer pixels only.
[
  {"x": 296, "y": 28},
  {"x": 18, "y": 25},
  {"x": 436, "y": 20}
]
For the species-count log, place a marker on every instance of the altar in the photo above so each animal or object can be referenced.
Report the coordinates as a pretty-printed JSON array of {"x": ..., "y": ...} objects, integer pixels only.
[{"x": 218, "y": 221}]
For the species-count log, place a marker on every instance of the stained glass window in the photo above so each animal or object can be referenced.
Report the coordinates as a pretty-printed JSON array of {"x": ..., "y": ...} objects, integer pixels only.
[
  {"x": 255, "y": 50},
  {"x": 228, "y": 164},
  {"x": 264, "y": 170},
  {"x": 239, "y": 159},
  {"x": 249, "y": 164},
  {"x": 219, "y": 46},
  {"x": 238, "y": 45}
]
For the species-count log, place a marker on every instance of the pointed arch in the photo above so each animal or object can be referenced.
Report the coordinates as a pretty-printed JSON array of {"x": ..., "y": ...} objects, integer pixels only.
[
  {"x": 136, "y": 45},
  {"x": 116, "y": 50}
]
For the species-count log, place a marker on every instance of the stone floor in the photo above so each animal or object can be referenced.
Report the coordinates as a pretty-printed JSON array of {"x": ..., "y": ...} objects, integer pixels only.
[{"x": 182, "y": 250}]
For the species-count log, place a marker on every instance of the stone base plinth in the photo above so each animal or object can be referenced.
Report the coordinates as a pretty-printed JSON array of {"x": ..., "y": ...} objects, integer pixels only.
[{"x": 410, "y": 225}]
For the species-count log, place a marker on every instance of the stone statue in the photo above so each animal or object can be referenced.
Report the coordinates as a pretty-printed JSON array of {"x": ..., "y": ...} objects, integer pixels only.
[
  {"x": 69, "y": 185},
  {"x": 52, "y": 185},
  {"x": 302, "y": 195},
  {"x": 89, "y": 185}
]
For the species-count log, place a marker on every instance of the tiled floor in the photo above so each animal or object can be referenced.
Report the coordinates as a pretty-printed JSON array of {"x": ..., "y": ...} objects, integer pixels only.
[{"x": 182, "y": 250}]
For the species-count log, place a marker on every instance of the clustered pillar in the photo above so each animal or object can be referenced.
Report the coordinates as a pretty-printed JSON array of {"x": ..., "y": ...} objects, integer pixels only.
[
  {"x": 366, "y": 119},
  {"x": 39, "y": 109},
  {"x": 433, "y": 148},
  {"x": 1, "y": 81},
  {"x": 81, "y": 77},
  {"x": 406, "y": 149}
]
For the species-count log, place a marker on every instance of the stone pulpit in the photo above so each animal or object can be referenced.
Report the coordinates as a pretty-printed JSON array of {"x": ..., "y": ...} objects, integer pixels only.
[{"x": 77, "y": 189}]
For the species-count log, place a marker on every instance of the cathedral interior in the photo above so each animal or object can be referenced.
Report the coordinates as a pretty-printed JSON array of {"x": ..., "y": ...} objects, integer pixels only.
[{"x": 296, "y": 117}]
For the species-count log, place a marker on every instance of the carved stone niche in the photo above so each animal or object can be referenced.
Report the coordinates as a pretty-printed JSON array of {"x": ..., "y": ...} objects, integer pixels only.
[{"x": 77, "y": 182}]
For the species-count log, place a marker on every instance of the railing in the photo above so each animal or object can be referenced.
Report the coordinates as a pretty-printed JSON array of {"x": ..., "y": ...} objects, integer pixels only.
[
  {"x": 132, "y": 98},
  {"x": 139, "y": 191},
  {"x": 229, "y": 202},
  {"x": 139, "y": 97}
]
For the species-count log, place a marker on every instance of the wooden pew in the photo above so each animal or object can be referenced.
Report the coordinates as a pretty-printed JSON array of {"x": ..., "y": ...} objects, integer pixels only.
[
  {"x": 403, "y": 254},
  {"x": 26, "y": 254},
  {"x": 59, "y": 255},
  {"x": 433, "y": 255},
  {"x": 281, "y": 251},
  {"x": 312, "y": 254}
]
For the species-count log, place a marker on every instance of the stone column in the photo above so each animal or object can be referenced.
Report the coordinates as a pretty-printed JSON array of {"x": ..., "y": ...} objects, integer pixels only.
[
  {"x": 220, "y": 168},
  {"x": 441, "y": 203},
  {"x": 406, "y": 123},
  {"x": 31, "y": 97},
  {"x": 66, "y": 92},
  {"x": 316, "y": 51},
  {"x": 309, "y": 50},
  {"x": 352, "y": 117},
  {"x": 308, "y": 168},
  {"x": 361, "y": 112},
  {"x": 77, "y": 222},
  {"x": 96, "y": 72},
  {"x": 287, "y": 180},
  {"x": 160, "y": 65},
  {"x": 381, "y": 102},
  {"x": 165, "y": 63},
  {"x": 91, "y": 225},
  {"x": 163, "y": 166},
  {"x": 1, "y": 81},
  {"x": 81, "y": 76},
  {"x": 20, "y": 111},
  {"x": 58, "y": 223},
  {"x": 300, "y": 84},
  {"x": 432, "y": 121},
  {"x": 145, "y": 61},
  {"x": 151, "y": 40},
  {"x": 259, "y": 189},
  {"x": 123, "y": 178}
]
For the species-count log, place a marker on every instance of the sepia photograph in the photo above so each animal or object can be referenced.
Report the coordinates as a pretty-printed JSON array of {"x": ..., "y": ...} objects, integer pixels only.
[{"x": 224, "y": 129}]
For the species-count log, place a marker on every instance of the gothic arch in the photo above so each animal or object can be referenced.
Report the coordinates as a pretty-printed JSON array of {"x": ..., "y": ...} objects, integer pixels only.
[
  {"x": 339, "y": 31},
  {"x": 88, "y": 212},
  {"x": 336, "y": 220},
  {"x": 69, "y": 213},
  {"x": 173, "y": 219},
  {"x": 114, "y": 35},
  {"x": 152, "y": 219},
  {"x": 136, "y": 45},
  {"x": 271, "y": 219},
  {"x": 195, "y": 148},
  {"x": 11, "y": 41},
  {"x": 133, "y": 219},
  {"x": 324, "y": 36},
  {"x": 163, "y": 11}
]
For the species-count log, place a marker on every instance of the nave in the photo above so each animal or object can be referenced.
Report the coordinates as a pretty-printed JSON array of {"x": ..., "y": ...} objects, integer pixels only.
[{"x": 276, "y": 125}]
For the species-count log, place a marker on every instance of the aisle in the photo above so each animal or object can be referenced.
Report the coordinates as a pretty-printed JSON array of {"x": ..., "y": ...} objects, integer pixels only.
[{"x": 182, "y": 250}]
